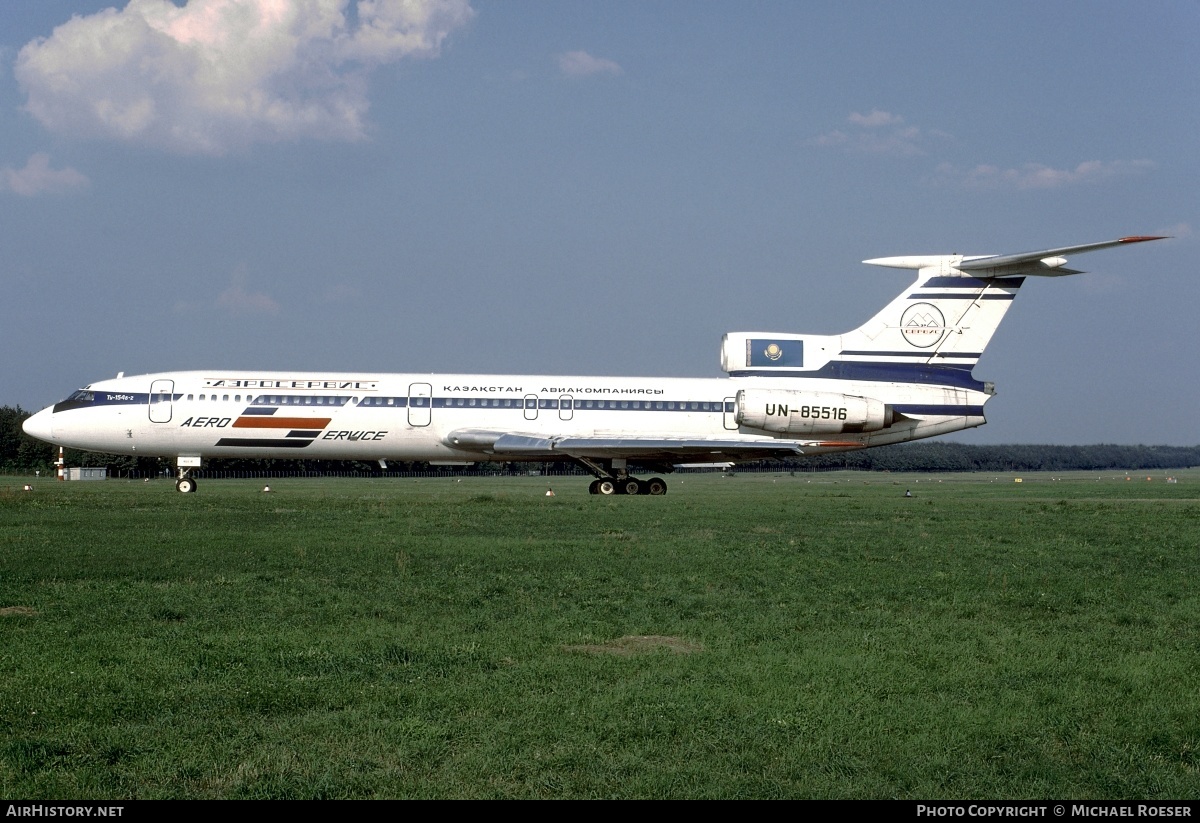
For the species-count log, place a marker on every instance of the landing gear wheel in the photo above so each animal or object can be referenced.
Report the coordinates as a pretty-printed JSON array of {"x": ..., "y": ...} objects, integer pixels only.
[
  {"x": 186, "y": 485},
  {"x": 606, "y": 486},
  {"x": 656, "y": 486},
  {"x": 594, "y": 488},
  {"x": 630, "y": 485}
]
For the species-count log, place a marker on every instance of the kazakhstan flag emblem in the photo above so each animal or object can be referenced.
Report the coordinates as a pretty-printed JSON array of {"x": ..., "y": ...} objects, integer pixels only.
[{"x": 775, "y": 353}]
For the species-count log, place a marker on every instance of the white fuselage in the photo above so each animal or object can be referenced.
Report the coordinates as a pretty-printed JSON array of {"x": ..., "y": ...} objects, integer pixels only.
[
  {"x": 904, "y": 374},
  {"x": 414, "y": 417}
]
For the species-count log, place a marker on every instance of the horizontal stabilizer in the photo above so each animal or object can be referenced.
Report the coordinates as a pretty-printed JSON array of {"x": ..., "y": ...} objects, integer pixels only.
[
  {"x": 1044, "y": 263},
  {"x": 1048, "y": 262}
]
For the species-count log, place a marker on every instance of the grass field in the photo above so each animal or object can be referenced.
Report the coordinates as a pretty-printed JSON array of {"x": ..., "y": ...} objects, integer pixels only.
[{"x": 756, "y": 636}]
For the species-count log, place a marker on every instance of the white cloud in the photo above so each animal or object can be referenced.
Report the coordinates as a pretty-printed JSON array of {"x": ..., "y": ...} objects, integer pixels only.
[
  {"x": 238, "y": 300},
  {"x": 901, "y": 143},
  {"x": 582, "y": 64},
  {"x": 219, "y": 75},
  {"x": 877, "y": 132},
  {"x": 884, "y": 133},
  {"x": 1038, "y": 176},
  {"x": 38, "y": 178},
  {"x": 876, "y": 118}
]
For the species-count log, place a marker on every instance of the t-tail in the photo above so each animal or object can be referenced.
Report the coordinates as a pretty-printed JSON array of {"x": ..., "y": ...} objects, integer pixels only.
[{"x": 934, "y": 331}]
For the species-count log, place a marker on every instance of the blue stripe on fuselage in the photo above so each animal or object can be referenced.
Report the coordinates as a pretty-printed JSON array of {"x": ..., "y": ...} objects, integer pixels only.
[
  {"x": 958, "y": 355},
  {"x": 963, "y": 295},
  {"x": 971, "y": 282},
  {"x": 942, "y": 374}
]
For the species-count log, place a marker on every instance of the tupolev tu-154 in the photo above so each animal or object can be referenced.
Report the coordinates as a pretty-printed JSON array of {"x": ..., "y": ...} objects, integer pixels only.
[{"x": 903, "y": 375}]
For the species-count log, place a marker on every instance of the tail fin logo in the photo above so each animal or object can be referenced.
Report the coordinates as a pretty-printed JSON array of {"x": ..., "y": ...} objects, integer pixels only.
[{"x": 923, "y": 325}]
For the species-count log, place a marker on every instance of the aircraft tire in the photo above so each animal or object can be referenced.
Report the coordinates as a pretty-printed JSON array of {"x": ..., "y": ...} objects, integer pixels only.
[
  {"x": 594, "y": 487},
  {"x": 656, "y": 486},
  {"x": 630, "y": 485},
  {"x": 606, "y": 486},
  {"x": 185, "y": 485}
]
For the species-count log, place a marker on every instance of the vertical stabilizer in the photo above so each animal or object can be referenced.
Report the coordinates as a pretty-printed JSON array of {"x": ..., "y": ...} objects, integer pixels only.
[
  {"x": 951, "y": 312},
  {"x": 946, "y": 317},
  {"x": 935, "y": 331}
]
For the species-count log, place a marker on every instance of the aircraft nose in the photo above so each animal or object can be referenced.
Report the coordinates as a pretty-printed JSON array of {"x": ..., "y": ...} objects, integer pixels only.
[{"x": 40, "y": 425}]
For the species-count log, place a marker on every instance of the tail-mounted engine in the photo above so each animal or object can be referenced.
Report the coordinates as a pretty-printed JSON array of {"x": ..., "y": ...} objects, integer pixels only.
[{"x": 795, "y": 412}]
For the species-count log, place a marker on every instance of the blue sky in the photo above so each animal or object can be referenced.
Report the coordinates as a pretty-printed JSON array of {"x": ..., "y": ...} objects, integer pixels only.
[{"x": 595, "y": 188}]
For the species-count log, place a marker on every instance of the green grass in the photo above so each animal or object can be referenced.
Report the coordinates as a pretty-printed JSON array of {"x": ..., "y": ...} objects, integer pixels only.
[{"x": 751, "y": 636}]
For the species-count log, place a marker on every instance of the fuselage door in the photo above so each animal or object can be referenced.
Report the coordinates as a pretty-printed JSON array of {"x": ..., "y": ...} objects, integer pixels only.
[
  {"x": 565, "y": 407},
  {"x": 161, "y": 392},
  {"x": 730, "y": 415},
  {"x": 531, "y": 407},
  {"x": 420, "y": 404}
]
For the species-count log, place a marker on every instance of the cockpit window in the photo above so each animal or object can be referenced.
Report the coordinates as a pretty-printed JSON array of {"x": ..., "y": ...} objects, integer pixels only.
[{"x": 82, "y": 396}]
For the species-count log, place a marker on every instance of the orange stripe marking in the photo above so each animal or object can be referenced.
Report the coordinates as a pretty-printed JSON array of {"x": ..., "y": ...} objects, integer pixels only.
[{"x": 265, "y": 422}]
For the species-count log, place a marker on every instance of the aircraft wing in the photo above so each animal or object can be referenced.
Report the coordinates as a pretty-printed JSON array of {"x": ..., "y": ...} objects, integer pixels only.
[
  {"x": 659, "y": 449},
  {"x": 1047, "y": 262}
]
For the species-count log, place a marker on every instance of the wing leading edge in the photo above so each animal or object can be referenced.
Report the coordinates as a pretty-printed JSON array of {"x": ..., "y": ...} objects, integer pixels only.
[{"x": 664, "y": 449}]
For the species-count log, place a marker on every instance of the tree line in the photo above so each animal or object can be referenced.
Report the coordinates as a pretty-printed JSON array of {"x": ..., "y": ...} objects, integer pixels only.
[
  {"x": 20, "y": 453},
  {"x": 941, "y": 456}
]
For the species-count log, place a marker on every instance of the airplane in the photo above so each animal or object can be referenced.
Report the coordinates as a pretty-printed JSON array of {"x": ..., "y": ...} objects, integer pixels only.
[{"x": 903, "y": 375}]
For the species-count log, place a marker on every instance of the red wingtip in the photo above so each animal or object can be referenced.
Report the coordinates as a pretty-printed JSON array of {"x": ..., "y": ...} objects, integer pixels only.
[{"x": 1140, "y": 239}]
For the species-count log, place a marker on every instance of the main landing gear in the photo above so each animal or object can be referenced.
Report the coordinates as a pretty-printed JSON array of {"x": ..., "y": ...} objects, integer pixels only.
[
  {"x": 630, "y": 485},
  {"x": 612, "y": 477}
]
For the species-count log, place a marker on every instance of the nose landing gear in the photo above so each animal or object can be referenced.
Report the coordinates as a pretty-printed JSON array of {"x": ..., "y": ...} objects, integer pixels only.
[{"x": 186, "y": 484}]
